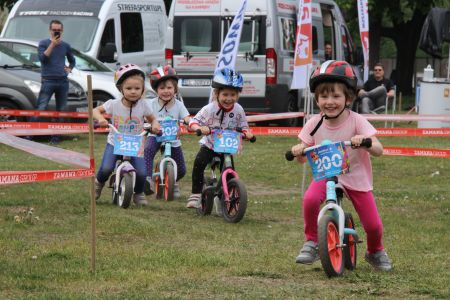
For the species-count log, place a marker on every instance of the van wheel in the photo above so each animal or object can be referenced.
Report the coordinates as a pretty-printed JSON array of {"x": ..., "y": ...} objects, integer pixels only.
[
  {"x": 6, "y": 104},
  {"x": 100, "y": 98},
  {"x": 292, "y": 106}
]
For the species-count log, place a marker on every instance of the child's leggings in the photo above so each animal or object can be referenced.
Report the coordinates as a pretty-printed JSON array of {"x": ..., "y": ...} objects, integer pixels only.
[
  {"x": 109, "y": 162},
  {"x": 177, "y": 154},
  {"x": 364, "y": 204}
]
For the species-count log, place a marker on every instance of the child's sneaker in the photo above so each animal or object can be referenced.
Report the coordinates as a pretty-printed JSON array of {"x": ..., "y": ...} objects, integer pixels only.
[
  {"x": 176, "y": 191},
  {"x": 308, "y": 254},
  {"x": 98, "y": 188},
  {"x": 194, "y": 201},
  {"x": 379, "y": 260},
  {"x": 140, "y": 200}
]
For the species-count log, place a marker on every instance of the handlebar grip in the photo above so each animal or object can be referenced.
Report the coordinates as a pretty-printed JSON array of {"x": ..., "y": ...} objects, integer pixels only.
[
  {"x": 96, "y": 124},
  {"x": 289, "y": 156},
  {"x": 198, "y": 132},
  {"x": 366, "y": 143},
  {"x": 253, "y": 139}
]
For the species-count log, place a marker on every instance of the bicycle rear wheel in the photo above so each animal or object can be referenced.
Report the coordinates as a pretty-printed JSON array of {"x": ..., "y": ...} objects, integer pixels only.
[
  {"x": 330, "y": 254},
  {"x": 125, "y": 190},
  {"x": 169, "y": 182},
  {"x": 234, "y": 209},
  {"x": 159, "y": 191},
  {"x": 207, "y": 201},
  {"x": 350, "y": 253}
]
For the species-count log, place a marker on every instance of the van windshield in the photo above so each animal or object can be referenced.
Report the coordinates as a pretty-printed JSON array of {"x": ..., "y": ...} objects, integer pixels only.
[
  {"x": 36, "y": 28},
  {"x": 196, "y": 34}
]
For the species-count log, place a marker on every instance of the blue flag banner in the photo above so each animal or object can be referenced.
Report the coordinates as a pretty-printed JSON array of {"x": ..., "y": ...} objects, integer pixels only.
[{"x": 230, "y": 46}]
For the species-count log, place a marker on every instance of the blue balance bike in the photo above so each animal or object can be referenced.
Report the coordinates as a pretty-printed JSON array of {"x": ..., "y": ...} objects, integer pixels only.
[
  {"x": 166, "y": 170},
  {"x": 337, "y": 237}
]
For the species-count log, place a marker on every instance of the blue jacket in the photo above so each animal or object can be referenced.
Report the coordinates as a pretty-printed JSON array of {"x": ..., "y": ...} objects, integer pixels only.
[{"x": 53, "y": 67}]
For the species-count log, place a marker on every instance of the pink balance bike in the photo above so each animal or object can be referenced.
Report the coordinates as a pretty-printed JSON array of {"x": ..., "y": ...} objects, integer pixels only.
[
  {"x": 337, "y": 237},
  {"x": 223, "y": 187}
]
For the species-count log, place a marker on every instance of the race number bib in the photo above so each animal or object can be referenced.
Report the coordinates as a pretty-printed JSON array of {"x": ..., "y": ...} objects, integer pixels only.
[
  {"x": 128, "y": 145},
  {"x": 169, "y": 130},
  {"x": 328, "y": 160},
  {"x": 226, "y": 141}
]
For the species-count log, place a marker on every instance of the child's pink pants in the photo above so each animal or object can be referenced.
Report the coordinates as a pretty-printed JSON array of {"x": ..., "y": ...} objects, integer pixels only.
[{"x": 364, "y": 204}]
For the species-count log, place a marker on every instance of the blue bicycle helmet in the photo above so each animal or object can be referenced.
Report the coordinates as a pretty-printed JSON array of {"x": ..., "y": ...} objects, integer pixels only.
[{"x": 227, "y": 78}]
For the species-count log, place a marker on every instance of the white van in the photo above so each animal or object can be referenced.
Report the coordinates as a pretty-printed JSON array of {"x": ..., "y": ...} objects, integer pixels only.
[
  {"x": 113, "y": 31},
  {"x": 266, "y": 50}
]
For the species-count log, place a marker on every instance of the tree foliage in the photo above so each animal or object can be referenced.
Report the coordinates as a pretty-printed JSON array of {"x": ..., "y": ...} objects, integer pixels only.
[{"x": 399, "y": 20}]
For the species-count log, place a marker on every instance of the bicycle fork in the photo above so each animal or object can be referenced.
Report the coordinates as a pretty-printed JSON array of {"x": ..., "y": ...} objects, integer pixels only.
[
  {"x": 337, "y": 213},
  {"x": 167, "y": 157},
  {"x": 124, "y": 167}
]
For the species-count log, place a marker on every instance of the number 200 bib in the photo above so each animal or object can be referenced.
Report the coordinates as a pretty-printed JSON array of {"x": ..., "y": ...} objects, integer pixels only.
[{"x": 328, "y": 160}]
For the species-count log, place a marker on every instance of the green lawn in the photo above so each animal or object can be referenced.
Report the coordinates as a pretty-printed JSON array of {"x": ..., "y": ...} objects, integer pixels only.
[{"x": 167, "y": 251}]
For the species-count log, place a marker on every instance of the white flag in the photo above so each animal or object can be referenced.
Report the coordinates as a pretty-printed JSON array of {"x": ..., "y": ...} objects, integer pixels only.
[
  {"x": 230, "y": 46},
  {"x": 303, "y": 46},
  {"x": 363, "y": 16}
]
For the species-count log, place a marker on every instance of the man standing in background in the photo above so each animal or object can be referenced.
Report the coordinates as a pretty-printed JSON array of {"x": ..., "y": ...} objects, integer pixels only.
[{"x": 52, "y": 54}]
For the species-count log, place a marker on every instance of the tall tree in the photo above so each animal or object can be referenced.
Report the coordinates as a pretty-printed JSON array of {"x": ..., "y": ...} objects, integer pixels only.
[
  {"x": 399, "y": 20},
  {"x": 7, "y": 4}
]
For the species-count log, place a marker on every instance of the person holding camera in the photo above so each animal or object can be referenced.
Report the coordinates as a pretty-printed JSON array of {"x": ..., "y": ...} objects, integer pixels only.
[{"x": 52, "y": 55}]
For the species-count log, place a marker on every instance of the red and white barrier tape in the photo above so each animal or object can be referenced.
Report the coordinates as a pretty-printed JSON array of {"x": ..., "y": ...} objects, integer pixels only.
[
  {"x": 269, "y": 117},
  {"x": 35, "y": 128},
  {"x": 14, "y": 177},
  {"x": 43, "y": 113},
  {"x": 45, "y": 128},
  {"x": 400, "y": 151}
]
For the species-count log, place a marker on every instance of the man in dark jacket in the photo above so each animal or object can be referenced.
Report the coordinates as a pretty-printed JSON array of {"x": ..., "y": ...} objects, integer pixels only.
[
  {"x": 52, "y": 54},
  {"x": 375, "y": 91}
]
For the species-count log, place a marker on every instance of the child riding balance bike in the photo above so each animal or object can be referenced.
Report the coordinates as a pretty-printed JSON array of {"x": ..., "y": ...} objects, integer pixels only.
[
  {"x": 222, "y": 113},
  {"x": 169, "y": 111},
  {"x": 334, "y": 87},
  {"x": 127, "y": 115}
]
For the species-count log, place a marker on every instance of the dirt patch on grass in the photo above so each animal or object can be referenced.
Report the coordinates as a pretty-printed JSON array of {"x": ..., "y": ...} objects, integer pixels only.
[{"x": 263, "y": 190}]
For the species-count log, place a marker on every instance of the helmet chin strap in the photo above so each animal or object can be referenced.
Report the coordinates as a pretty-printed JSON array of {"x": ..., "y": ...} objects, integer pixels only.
[
  {"x": 165, "y": 103},
  {"x": 324, "y": 116}
]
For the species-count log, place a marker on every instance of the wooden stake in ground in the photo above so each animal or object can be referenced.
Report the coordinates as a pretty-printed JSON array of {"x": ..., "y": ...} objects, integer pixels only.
[{"x": 92, "y": 166}]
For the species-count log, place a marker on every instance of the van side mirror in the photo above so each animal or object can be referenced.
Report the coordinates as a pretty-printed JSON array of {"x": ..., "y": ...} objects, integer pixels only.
[{"x": 108, "y": 53}]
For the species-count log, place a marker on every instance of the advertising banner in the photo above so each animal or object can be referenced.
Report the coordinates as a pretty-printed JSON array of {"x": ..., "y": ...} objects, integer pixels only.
[
  {"x": 303, "y": 46},
  {"x": 363, "y": 16}
]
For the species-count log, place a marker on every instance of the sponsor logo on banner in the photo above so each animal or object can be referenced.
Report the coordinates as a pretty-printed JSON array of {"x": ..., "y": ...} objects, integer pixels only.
[
  {"x": 363, "y": 17},
  {"x": 303, "y": 46}
]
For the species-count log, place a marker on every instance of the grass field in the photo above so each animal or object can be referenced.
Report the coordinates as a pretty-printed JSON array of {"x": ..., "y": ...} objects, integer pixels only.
[{"x": 165, "y": 251}]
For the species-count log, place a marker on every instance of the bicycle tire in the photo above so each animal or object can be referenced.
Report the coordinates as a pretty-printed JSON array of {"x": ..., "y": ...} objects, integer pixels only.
[
  {"x": 350, "y": 250},
  {"x": 158, "y": 190},
  {"x": 125, "y": 190},
  {"x": 234, "y": 210},
  {"x": 330, "y": 255},
  {"x": 169, "y": 182},
  {"x": 207, "y": 201}
]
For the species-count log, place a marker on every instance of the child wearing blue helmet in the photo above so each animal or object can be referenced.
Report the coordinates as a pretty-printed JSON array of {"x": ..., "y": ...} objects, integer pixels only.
[{"x": 224, "y": 112}]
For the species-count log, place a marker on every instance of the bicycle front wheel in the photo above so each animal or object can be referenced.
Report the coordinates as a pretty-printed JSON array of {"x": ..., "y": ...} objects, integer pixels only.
[
  {"x": 234, "y": 209},
  {"x": 330, "y": 253},
  {"x": 157, "y": 183},
  {"x": 125, "y": 190}
]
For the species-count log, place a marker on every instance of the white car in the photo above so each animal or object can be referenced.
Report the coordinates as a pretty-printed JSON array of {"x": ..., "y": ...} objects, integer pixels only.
[{"x": 103, "y": 86}]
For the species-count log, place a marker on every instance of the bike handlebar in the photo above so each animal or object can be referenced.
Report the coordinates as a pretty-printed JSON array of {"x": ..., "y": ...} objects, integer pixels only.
[
  {"x": 238, "y": 129},
  {"x": 367, "y": 142}
]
